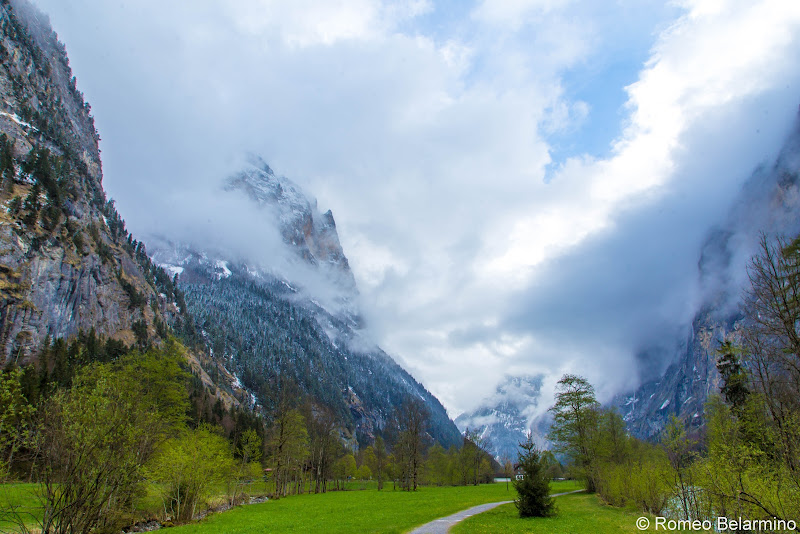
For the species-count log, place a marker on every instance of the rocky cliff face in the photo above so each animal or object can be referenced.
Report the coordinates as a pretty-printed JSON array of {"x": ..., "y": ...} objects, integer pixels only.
[
  {"x": 66, "y": 261},
  {"x": 687, "y": 383},
  {"x": 311, "y": 235},
  {"x": 770, "y": 203},
  {"x": 269, "y": 327}
]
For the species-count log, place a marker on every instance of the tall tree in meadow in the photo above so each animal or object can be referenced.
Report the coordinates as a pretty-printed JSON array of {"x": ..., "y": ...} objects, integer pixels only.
[
  {"x": 410, "y": 424},
  {"x": 575, "y": 421},
  {"x": 324, "y": 445},
  {"x": 474, "y": 451},
  {"x": 381, "y": 461}
]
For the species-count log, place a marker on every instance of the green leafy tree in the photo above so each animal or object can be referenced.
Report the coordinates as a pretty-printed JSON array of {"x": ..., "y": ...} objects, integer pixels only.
[
  {"x": 438, "y": 466},
  {"x": 288, "y": 446},
  {"x": 250, "y": 445},
  {"x": 380, "y": 462},
  {"x": 95, "y": 438},
  {"x": 575, "y": 423},
  {"x": 410, "y": 424},
  {"x": 16, "y": 415},
  {"x": 473, "y": 452},
  {"x": 364, "y": 472},
  {"x": 344, "y": 469},
  {"x": 249, "y": 450},
  {"x": 681, "y": 451},
  {"x": 533, "y": 488},
  {"x": 734, "y": 376},
  {"x": 189, "y": 467}
]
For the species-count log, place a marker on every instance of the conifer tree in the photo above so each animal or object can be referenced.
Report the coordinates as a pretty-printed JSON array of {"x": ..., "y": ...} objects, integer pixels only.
[{"x": 533, "y": 488}]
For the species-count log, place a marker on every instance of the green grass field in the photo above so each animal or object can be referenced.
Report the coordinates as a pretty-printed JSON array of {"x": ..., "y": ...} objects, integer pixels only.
[
  {"x": 576, "y": 513},
  {"x": 369, "y": 510},
  {"x": 356, "y": 511},
  {"x": 18, "y": 501}
]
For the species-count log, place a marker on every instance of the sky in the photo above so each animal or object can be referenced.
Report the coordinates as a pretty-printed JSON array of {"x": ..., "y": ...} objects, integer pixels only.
[{"x": 521, "y": 186}]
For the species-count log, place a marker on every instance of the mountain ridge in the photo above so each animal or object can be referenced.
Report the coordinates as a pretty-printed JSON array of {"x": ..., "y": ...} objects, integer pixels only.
[{"x": 268, "y": 324}]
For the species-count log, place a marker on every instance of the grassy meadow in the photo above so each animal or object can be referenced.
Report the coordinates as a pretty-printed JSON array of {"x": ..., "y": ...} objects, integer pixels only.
[
  {"x": 364, "y": 509},
  {"x": 18, "y": 500},
  {"x": 357, "y": 511},
  {"x": 579, "y": 512}
]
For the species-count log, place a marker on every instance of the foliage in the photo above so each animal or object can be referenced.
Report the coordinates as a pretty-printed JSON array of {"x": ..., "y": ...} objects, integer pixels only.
[
  {"x": 410, "y": 422},
  {"x": 752, "y": 468},
  {"x": 641, "y": 478},
  {"x": 96, "y": 437},
  {"x": 682, "y": 456},
  {"x": 16, "y": 415},
  {"x": 623, "y": 470},
  {"x": 250, "y": 446},
  {"x": 324, "y": 446},
  {"x": 533, "y": 489},
  {"x": 344, "y": 469},
  {"x": 474, "y": 457},
  {"x": 364, "y": 472},
  {"x": 574, "y": 425},
  {"x": 377, "y": 460},
  {"x": 734, "y": 375},
  {"x": 189, "y": 466},
  {"x": 288, "y": 448}
]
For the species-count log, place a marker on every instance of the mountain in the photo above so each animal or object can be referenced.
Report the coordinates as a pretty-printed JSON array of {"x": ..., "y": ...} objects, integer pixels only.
[
  {"x": 507, "y": 416},
  {"x": 291, "y": 314},
  {"x": 769, "y": 202},
  {"x": 67, "y": 263}
]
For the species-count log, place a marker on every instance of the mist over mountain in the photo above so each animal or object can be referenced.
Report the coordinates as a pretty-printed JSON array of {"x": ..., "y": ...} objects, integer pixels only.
[
  {"x": 291, "y": 313},
  {"x": 506, "y": 418},
  {"x": 768, "y": 204}
]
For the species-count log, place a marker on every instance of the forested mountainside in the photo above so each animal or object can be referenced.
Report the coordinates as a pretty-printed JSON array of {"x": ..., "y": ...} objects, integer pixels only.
[
  {"x": 67, "y": 262},
  {"x": 271, "y": 330},
  {"x": 769, "y": 203}
]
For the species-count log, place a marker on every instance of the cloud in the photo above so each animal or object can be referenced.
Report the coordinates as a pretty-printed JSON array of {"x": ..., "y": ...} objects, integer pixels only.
[{"x": 430, "y": 131}]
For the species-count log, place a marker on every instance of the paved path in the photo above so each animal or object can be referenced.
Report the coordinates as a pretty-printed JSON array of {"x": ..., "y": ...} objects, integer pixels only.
[{"x": 443, "y": 525}]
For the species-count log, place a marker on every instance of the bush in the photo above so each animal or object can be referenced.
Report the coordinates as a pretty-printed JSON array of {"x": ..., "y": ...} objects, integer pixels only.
[{"x": 189, "y": 467}]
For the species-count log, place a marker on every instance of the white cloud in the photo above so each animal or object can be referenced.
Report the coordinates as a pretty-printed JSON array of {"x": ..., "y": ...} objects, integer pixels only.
[{"x": 431, "y": 147}]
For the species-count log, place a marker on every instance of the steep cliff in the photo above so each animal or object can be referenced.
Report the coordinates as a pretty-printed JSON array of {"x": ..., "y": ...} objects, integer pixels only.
[
  {"x": 67, "y": 262},
  {"x": 770, "y": 203}
]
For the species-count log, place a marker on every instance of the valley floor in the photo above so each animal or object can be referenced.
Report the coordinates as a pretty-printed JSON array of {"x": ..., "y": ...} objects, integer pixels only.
[
  {"x": 357, "y": 511},
  {"x": 390, "y": 511}
]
